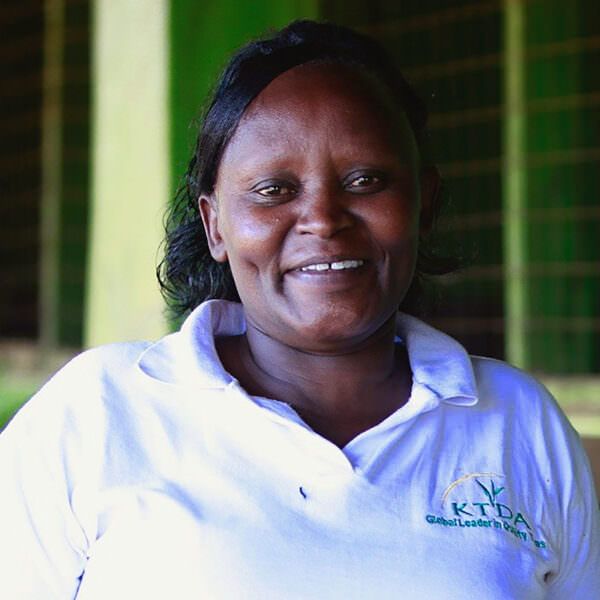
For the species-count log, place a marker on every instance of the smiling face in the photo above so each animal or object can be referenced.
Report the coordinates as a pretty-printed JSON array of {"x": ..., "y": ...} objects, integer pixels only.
[{"x": 316, "y": 209}]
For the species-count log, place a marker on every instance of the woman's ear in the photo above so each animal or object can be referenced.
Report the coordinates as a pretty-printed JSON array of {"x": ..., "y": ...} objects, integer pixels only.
[
  {"x": 431, "y": 187},
  {"x": 209, "y": 211}
]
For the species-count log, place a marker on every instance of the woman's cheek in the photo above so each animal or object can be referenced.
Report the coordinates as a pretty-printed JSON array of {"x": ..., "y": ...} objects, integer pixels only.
[{"x": 251, "y": 234}]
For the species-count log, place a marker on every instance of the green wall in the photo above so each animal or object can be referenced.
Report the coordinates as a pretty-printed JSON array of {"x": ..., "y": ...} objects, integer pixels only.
[{"x": 563, "y": 186}]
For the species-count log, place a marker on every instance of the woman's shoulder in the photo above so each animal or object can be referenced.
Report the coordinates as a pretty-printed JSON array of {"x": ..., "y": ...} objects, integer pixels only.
[
  {"x": 508, "y": 389},
  {"x": 495, "y": 374},
  {"x": 524, "y": 409},
  {"x": 502, "y": 381},
  {"x": 76, "y": 391},
  {"x": 93, "y": 367}
]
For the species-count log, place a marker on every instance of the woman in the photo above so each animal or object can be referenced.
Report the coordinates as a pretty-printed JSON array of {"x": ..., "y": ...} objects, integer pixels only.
[{"x": 308, "y": 441}]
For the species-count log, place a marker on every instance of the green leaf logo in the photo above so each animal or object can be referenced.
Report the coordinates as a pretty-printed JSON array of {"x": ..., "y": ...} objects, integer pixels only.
[{"x": 490, "y": 494}]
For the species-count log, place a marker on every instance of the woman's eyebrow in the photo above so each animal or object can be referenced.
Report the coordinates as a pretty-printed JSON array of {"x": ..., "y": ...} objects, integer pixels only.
[{"x": 253, "y": 176}]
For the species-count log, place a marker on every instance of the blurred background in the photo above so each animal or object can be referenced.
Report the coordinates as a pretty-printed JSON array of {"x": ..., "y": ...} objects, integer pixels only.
[{"x": 99, "y": 111}]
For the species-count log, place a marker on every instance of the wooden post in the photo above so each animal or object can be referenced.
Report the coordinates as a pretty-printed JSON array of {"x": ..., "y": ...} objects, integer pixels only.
[
  {"x": 51, "y": 155},
  {"x": 515, "y": 186},
  {"x": 131, "y": 170}
]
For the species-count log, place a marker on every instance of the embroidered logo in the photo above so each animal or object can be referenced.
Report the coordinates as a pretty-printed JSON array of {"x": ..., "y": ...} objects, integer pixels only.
[{"x": 485, "y": 510}]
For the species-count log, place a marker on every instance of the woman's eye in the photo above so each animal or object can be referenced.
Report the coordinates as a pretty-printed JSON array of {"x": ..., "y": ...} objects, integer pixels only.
[
  {"x": 365, "y": 183},
  {"x": 274, "y": 190}
]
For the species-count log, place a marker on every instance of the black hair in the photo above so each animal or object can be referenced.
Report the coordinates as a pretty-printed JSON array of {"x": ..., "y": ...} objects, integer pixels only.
[{"x": 188, "y": 274}]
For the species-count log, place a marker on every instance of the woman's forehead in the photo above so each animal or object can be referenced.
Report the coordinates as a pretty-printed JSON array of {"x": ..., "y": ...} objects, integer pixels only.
[
  {"x": 303, "y": 87},
  {"x": 309, "y": 99}
]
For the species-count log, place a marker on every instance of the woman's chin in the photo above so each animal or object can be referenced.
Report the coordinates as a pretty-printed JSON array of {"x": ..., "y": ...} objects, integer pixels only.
[{"x": 338, "y": 330}]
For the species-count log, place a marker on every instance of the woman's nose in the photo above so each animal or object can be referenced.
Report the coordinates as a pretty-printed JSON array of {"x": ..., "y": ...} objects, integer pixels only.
[{"x": 324, "y": 213}]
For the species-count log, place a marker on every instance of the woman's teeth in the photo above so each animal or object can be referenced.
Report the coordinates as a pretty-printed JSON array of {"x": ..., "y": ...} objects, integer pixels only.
[{"x": 334, "y": 266}]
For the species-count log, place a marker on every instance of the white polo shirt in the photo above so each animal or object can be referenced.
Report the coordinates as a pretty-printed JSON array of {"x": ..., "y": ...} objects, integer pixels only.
[{"x": 144, "y": 471}]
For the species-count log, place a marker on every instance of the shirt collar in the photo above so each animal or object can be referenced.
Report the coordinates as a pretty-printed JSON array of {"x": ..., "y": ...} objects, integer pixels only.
[
  {"x": 438, "y": 361},
  {"x": 189, "y": 356}
]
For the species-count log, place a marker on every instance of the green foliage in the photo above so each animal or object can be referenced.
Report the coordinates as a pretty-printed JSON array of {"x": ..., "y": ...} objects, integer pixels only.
[{"x": 12, "y": 396}]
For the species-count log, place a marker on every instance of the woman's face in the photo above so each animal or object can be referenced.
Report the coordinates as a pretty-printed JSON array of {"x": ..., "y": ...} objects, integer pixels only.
[{"x": 316, "y": 209}]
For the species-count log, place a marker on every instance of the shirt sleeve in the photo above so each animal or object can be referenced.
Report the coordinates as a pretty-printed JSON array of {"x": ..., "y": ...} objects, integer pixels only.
[
  {"x": 579, "y": 574},
  {"x": 43, "y": 545}
]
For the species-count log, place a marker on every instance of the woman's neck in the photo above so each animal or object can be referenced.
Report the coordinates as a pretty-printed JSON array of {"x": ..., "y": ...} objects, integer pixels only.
[{"x": 338, "y": 394}]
